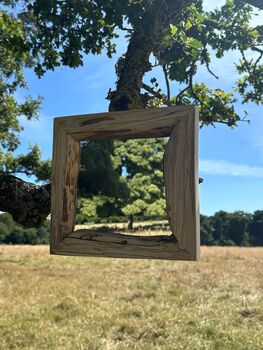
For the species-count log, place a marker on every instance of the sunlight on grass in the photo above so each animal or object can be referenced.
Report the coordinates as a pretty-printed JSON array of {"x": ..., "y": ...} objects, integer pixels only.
[
  {"x": 55, "y": 302},
  {"x": 140, "y": 228}
]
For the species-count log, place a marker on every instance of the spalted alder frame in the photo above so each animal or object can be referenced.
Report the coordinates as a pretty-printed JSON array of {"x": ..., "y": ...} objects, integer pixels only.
[{"x": 180, "y": 174}]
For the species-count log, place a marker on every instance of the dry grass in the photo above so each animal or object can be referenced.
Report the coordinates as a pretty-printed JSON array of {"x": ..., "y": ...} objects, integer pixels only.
[
  {"x": 122, "y": 225},
  {"x": 141, "y": 228},
  {"x": 54, "y": 302}
]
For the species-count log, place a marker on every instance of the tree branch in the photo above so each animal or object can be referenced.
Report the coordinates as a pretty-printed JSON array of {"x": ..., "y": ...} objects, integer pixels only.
[
  {"x": 28, "y": 203},
  {"x": 155, "y": 93},
  {"x": 181, "y": 93},
  {"x": 167, "y": 82}
]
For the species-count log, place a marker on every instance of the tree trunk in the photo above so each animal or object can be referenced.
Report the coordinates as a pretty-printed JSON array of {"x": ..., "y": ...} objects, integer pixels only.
[
  {"x": 146, "y": 39},
  {"x": 130, "y": 222}
]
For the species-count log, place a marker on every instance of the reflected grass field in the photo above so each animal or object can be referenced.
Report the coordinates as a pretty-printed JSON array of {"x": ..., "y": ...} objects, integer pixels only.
[{"x": 55, "y": 302}]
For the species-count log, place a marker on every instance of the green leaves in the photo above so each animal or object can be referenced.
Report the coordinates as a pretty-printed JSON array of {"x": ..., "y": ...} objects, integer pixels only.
[
  {"x": 29, "y": 164},
  {"x": 61, "y": 32},
  {"x": 193, "y": 37},
  {"x": 142, "y": 161},
  {"x": 174, "y": 29},
  {"x": 250, "y": 84},
  {"x": 14, "y": 56},
  {"x": 137, "y": 187},
  {"x": 214, "y": 105},
  {"x": 47, "y": 34},
  {"x": 88, "y": 207},
  {"x": 98, "y": 172}
]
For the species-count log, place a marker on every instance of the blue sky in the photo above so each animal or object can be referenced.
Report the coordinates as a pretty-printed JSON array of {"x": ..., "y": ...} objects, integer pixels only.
[{"x": 230, "y": 160}]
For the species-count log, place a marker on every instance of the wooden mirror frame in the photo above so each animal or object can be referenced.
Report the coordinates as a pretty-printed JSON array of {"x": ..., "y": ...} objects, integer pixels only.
[{"x": 180, "y": 174}]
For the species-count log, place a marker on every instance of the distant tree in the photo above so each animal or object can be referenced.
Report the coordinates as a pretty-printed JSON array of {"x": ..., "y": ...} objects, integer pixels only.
[
  {"x": 101, "y": 187},
  {"x": 135, "y": 184},
  {"x": 6, "y": 225},
  {"x": 97, "y": 174},
  {"x": 3, "y": 232},
  {"x": 43, "y": 233},
  {"x": 99, "y": 208},
  {"x": 142, "y": 162},
  {"x": 255, "y": 228},
  {"x": 11, "y": 233},
  {"x": 16, "y": 236},
  {"x": 206, "y": 230},
  {"x": 219, "y": 222},
  {"x": 237, "y": 227}
]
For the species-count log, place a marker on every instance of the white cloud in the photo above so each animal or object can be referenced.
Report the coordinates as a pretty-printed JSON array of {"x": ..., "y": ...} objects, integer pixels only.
[{"x": 222, "y": 167}]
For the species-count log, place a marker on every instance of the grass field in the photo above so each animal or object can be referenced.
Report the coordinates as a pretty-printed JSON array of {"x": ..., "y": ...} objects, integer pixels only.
[{"x": 54, "y": 302}]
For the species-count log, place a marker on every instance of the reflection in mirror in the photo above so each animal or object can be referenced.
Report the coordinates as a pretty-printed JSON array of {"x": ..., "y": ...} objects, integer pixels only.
[{"x": 121, "y": 187}]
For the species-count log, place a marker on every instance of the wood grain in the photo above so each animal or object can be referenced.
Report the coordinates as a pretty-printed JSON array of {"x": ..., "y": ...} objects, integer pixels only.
[
  {"x": 181, "y": 182},
  {"x": 65, "y": 169},
  {"x": 141, "y": 123},
  {"x": 93, "y": 243},
  {"x": 180, "y": 173}
]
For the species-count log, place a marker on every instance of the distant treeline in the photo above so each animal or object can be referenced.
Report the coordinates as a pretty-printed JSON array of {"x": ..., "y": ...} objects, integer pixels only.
[
  {"x": 237, "y": 228},
  {"x": 222, "y": 229},
  {"x": 11, "y": 233}
]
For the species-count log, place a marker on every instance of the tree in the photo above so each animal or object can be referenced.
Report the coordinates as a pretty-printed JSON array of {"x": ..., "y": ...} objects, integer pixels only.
[
  {"x": 142, "y": 161},
  {"x": 230, "y": 228},
  {"x": 178, "y": 33},
  {"x": 96, "y": 161},
  {"x": 14, "y": 55},
  {"x": 255, "y": 228},
  {"x": 219, "y": 222},
  {"x": 134, "y": 184},
  {"x": 237, "y": 229},
  {"x": 101, "y": 187},
  {"x": 11, "y": 233},
  {"x": 206, "y": 230}
]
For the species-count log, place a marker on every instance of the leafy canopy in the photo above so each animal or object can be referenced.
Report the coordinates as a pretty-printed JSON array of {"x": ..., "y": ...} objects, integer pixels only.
[
  {"x": 14, "y": 56},
  {"x": 135, "y": 185},
  {"x": 142, "y": 161},
  {"x": 61, "y": 33},
  {"x": 47, "y": 34}
]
